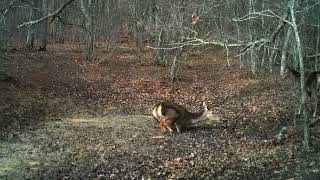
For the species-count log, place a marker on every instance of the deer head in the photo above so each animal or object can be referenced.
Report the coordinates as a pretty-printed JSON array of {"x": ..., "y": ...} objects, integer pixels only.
[{"x": 207, "y": 114}]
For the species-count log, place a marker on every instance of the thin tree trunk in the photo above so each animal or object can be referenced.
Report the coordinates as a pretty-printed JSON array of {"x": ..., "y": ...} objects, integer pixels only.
[
  {"x": 265, "y": 50},
  {"x": 160, "y": 57},
  {"x": 53, "y": 25},
  {"x": 302, "y": 81},
  {"x": 227, "y": 55},
  {"x": 252, "y": 61},
  {"x": 86, "y": 8},
  {"x": 251, "y": 55},
  {"x": 31, "y": 29},
  {"x": 317, "y": 48},
  {"x": 61, "y": 28},
  {"x": 238, "y": 38},
  {"x": 284, "y": 52},
  {"x": 175, "y": 65},
  {"x": 44, "y": 27},
  {"x": 271, "y": 57}
]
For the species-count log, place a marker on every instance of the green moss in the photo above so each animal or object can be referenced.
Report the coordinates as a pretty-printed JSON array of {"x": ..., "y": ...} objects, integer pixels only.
[
  {"x": 9, "y": 166},
  {"x": 13, "y": 159}
]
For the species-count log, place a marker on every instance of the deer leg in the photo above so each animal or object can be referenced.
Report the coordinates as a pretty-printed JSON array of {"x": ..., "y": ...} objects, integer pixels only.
[
  {"x": 315, "y": 94},
  {"x": 299, "y": 110},
  {"x": 162, "y": 126},
  {"x": 178, "y": 127},
  {"x": 168, "y": 127}
]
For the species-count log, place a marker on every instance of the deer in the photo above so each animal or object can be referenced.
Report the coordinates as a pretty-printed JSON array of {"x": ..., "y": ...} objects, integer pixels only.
[
  {"x": 312, "y": 85},
  {"x": 172, "y": 116}
]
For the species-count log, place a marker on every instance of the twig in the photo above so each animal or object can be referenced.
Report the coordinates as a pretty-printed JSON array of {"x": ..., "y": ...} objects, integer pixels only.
[
  {"x": 314, "y": 121},
  {"x": 158, "y": 137},
  {"x": 108, "y": 56},
  {"x": 6, "y": 11},
  {"x": 279, "y": 136}
]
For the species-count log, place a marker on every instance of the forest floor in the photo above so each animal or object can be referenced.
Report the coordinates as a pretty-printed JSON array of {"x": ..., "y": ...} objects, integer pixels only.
[{"x": 64, "y": 117}]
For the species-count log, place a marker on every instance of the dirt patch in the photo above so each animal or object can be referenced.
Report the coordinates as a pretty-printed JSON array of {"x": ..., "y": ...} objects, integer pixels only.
[{"x": 69, "y": 140}]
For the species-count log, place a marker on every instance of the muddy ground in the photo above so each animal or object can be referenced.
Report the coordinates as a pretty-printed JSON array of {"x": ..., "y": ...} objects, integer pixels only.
[{"x": 64, "y": 117}]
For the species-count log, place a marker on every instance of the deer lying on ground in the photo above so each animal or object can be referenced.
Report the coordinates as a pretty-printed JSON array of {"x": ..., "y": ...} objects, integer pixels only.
[
  {"x": 312, "y": 84},
  {"x": 173, "y": 116}
]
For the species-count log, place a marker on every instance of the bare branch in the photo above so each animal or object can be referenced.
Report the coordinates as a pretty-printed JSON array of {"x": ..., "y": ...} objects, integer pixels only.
[
  {"x": 194, "y": 41},
  {"x": 262, "y": 13},
  {"x": 313, "y": 56},
  {"x": 309, "y": 7},
  {"x": 6, "y": 10},
  {"x": 198, "y": 42},
  {"x": 53, "y": 15}
]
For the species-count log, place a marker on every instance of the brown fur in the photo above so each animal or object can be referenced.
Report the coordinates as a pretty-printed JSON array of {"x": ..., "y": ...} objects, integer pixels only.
[
  {"x": 170, "y": 114},
  {"x": 157, "y": 114},
  {"x": 312, "y": 82},
  {"x": 312, "y": 85}
]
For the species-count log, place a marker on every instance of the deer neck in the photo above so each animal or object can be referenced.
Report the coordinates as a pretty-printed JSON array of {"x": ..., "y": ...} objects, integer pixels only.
[{"x": 196, "y": 117}]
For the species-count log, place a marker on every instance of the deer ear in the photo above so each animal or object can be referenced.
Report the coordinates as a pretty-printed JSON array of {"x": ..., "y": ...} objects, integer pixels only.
[{"x": 205, "y": 106}]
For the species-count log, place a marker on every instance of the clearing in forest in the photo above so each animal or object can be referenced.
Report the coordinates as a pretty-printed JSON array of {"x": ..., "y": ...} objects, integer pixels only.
[{"x": 66, "y": 117}]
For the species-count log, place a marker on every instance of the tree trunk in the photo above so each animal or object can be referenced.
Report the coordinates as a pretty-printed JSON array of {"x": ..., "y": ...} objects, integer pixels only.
[
  {"x": 272, "y": 53},
  {"x": 317, "y": 46},
  {"x": 31, "y": 29},
  {"x": 44, "y": 27},
  {"x": 265, "y": 51},
  {"x": 284, "y": 52},
  {"x": 306, "y": 133},
  {"x": 87, "y": 10},
  {"x": 61, "y": 28},
  {"x": 251, "y": 32},
  {"x": 175, "y": 65},
  {"x": 160, "y": 56}
]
